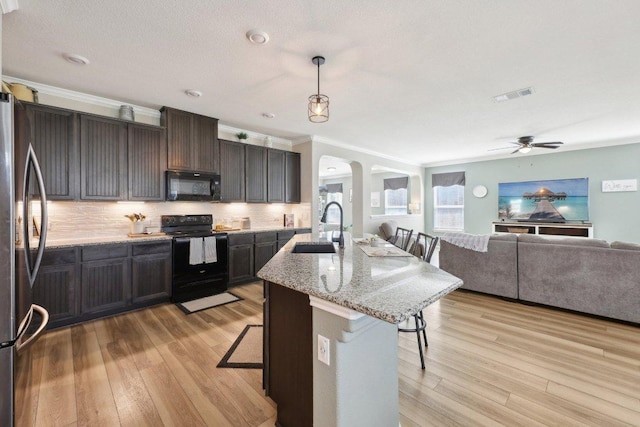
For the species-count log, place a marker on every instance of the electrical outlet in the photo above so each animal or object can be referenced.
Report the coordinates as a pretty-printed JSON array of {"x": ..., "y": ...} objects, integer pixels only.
[{"x": 324, "y": 350}]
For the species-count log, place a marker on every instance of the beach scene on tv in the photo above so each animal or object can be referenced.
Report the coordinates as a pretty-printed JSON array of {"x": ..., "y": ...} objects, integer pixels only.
[{"x": 559, "y": 200}]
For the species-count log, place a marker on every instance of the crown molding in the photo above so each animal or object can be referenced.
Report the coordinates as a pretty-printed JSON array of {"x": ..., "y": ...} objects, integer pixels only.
[
  {"x": 82, "y": 97},
  {"x": 339, "y": 144},
  {"x": 253, "y": 135},
  {"x": 8, "y": 5}
]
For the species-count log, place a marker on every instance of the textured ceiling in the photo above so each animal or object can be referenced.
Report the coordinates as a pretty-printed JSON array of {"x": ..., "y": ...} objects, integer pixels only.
[{"x": 409, "y": 79}]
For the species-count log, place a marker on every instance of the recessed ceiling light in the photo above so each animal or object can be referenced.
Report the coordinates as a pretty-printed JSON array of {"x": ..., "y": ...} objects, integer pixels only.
[
  {"x": 76, "y": 59},
  {"x": 193, "y": 93},
  {"x": 268, "y": 115},
  {"x": 257, "y": 37}
]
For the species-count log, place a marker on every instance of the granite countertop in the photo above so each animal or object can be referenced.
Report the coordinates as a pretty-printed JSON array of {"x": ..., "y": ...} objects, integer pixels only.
[
  {"x": 390, "y": 288},
  {"x": 53, "y": 243}
]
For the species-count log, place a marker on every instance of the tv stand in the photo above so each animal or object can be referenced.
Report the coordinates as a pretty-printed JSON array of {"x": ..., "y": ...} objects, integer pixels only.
[{"x": 582, "y": 229}]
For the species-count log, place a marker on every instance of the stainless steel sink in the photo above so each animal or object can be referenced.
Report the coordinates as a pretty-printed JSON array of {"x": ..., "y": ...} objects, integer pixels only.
[{"x": 313, "y": 248}]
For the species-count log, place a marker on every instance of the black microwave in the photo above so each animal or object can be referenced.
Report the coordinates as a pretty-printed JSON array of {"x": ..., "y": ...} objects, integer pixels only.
[{"x": 193, "y": 186}]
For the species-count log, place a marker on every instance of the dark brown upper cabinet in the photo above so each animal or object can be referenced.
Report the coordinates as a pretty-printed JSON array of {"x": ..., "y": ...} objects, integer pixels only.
[
  {"x": 232, "y": 171},
  {"x": 192, "y": 140},
  {"x": 276, "y": 167},
  {"x": 147, "y": 161},
  {"x": 53, "y": 132},
  {"x": 121, "y": 160},
  {"x": 292, "y": 177},
  {"x": 256, "y": 174},
  {"x": 103, "y": 150}
]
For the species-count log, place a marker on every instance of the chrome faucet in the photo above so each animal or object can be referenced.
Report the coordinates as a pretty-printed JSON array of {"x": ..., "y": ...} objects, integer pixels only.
[{"x": 324, "y": 220}]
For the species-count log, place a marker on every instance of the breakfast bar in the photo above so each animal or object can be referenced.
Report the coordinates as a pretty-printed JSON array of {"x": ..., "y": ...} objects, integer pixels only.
[{"x": 330, "y": 343}]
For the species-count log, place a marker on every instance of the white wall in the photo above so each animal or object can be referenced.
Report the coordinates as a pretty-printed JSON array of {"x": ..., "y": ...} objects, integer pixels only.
[
  {"x": 612, "y": 214},
  {"x": 361, "y": 167}
]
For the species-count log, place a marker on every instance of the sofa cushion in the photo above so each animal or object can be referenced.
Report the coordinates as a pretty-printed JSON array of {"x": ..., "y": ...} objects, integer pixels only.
[
  {"x": 388, "y": 229},
  {"x": 571, "y": 241},
  {"x": 493, "y": 272},
  {"x": 504, "y": 237},
  {"x": 580, "y": 274},
  {"x": 625, "y": 246}
]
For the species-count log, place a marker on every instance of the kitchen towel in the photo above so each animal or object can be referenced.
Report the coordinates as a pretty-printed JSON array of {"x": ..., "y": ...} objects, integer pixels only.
[
  {"x": 210, "y": 254},
  {"x": 195, "y": 251}
]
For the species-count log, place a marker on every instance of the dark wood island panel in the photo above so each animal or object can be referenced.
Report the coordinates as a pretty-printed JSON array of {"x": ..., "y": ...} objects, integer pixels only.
[{"x": 288, "y": 348}]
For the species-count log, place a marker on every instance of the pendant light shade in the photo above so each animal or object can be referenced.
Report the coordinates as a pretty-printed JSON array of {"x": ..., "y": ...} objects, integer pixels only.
[{"x": 318, "y": 103}]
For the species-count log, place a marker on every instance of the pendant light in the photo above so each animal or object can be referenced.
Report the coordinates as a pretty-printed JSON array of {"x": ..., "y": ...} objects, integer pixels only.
[{"x": 318, "y": 103}]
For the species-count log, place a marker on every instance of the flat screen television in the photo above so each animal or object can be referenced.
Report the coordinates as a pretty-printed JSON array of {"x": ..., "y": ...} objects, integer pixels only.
[{"x": 557, "y": 200}]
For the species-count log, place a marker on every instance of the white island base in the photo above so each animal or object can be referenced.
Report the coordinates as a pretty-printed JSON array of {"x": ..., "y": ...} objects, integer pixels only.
[{"x": 360, "y": 385}]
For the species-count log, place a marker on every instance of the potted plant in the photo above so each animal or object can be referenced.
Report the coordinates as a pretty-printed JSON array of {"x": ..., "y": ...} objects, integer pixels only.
[
  {"x": 241, "y": 136},
  {"x": 137, "y": 222}
]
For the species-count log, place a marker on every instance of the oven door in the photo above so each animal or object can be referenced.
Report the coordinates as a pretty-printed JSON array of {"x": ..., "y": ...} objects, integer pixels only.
[{"x": 184, "y": 272}]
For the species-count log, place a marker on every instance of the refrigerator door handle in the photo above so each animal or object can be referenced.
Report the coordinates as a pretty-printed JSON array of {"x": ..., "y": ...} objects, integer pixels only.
[
  {"x": 32, "y": 160},
  {"x": 26, "y": 322}
]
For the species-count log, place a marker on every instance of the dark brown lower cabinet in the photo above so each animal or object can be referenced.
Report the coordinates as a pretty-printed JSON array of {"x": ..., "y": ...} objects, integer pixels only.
[
  {"x": 87, "y": 282},
  {"x": 265, "y": 248},
  {"x": 241, "y": 263},
  {"x": 284, "y": 236},
  {"x": 106, "y": 278},
  {"x": 288, "y": 351},
  {"x": 249, "y": 252},
  {"x": 56, "y": 286},
  {"x": 150, "y": 271}
]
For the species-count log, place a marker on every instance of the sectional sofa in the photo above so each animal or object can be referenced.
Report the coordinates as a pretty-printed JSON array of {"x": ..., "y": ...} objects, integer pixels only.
[{"x": 585, "y": 275}]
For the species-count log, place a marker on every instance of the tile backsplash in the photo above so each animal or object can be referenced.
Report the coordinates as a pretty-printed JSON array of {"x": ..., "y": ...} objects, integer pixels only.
[{"x": 94, "y": 219}]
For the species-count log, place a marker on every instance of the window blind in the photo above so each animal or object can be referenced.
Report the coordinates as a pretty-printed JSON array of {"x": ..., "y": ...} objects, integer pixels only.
[
  {"x": 396, "y": 183},
  {"x": 447, "y": 179}
]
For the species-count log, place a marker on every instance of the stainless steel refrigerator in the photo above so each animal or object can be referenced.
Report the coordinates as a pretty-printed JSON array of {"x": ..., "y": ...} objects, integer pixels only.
[{"x": 22, "y": 194}]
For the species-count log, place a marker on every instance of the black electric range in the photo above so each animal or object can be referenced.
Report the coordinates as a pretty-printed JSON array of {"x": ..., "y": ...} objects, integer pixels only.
[{"x": 198, "y": 269}]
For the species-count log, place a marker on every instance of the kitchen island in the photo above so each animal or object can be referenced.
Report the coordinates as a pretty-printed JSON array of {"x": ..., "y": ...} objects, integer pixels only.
[{"x": 353, "y": 302}]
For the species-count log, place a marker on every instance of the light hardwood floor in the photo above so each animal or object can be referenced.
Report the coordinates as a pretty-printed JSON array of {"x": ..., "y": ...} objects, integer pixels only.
[{"x": 490, "y": 362}]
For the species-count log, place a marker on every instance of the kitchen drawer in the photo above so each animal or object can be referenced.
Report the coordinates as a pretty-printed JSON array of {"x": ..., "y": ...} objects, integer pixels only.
[
  {"x": 58, "y": 256},
  {"x": 286, "y": 234},
  {"x": 92, "y": 253},
  {"x": 240, "y": 239},
  {"x": 151, "y": 248},
  {"x": 266, "y": 236}
]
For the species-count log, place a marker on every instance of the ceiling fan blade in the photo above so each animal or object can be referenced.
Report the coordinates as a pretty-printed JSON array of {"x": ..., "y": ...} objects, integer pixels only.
[
  {"x": 547, "y": 144},
  {"x": 514, "y": 152}
]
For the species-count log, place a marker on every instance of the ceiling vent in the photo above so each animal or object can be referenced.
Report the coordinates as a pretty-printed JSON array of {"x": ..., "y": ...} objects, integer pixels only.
[{"x": 514, "y": 94}]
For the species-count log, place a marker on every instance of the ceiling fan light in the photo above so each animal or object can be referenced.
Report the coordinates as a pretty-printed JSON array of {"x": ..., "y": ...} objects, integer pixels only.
[{"x": 525, "y": 150}]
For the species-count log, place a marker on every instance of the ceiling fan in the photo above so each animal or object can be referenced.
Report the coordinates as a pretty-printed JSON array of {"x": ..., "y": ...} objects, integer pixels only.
[{"x": 525, "y": 144}]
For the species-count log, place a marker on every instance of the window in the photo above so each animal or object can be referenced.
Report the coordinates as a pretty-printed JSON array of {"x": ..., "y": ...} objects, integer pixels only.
[
  {"x": 395, "y": 202},
  {"x": 333, "y": 194},
  {"x": 395, "y": 195},
  {"x": 448, "y": 200},
  {"x": 333, "y": 214},
  {"x": 448, "y": 207}
]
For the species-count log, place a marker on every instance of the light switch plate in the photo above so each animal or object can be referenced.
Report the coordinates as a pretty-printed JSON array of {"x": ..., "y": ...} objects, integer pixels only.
[{"x": 324, "y": 350}]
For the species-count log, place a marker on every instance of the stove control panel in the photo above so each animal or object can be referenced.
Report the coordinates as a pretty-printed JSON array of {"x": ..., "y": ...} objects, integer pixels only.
[{"x": 186, "y": 220}]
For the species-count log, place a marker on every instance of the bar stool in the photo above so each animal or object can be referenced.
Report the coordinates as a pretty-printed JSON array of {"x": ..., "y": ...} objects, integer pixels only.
[
  {"x": 402, "y": 238},
  {"x": 423, "y": 248}
]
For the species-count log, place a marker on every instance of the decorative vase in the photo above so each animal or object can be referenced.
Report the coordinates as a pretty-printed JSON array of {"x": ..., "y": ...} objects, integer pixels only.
[
  {"x": 137, "y": 227},
  {"x": 126, "y": 113}
]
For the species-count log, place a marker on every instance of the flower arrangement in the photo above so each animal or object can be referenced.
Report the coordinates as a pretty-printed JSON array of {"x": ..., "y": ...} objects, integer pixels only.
[{"x": 136, "y": 217}]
